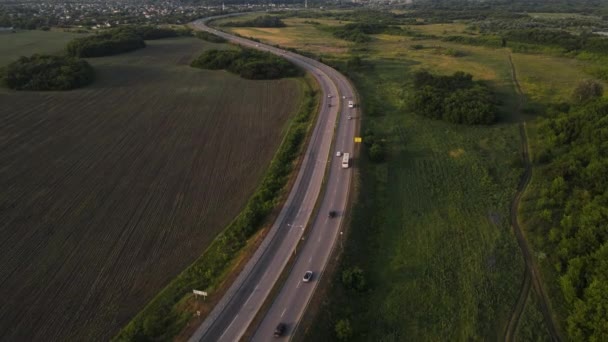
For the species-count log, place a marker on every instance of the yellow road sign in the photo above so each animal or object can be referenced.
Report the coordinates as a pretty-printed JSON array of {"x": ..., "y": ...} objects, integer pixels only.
[{"x": 358, "y": 139}]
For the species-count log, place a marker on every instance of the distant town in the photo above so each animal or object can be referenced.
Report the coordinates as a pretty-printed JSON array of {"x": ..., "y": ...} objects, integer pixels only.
[{"x": 101, "y": 14}]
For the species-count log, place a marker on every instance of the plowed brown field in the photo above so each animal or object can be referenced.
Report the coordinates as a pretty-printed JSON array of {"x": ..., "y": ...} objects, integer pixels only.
[{"x": 108, "y": 192}]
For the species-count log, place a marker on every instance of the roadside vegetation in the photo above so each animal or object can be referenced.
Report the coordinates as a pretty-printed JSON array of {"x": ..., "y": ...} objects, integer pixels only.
[
  {"x": 46, "y": 72},
  {"x": 248, "y": 63},
  {"x": 210, "y": 37}
]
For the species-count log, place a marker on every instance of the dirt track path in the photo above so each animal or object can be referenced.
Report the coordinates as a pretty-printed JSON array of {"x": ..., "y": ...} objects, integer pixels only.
[{"x": 532, "y": 274}]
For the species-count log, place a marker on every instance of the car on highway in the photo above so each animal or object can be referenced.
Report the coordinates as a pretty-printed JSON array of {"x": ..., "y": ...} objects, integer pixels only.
[
  {"x": 279, "y": 330},
  {"x": 338, "y": 154},
  {"x": 332, "y": 214},
  {"x": 329, "y": 95},
  {"x": 307, "y": 276}
]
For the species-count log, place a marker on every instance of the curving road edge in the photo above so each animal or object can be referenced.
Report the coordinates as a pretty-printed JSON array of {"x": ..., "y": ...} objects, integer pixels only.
[{"x": 336, "y": 124}]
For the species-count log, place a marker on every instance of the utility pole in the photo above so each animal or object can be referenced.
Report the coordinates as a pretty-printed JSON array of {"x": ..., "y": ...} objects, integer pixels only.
[{"x": 305, "y": 3}]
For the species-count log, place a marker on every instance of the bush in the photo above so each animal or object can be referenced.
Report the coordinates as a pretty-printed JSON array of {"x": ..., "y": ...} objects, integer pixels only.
[
  {"x": 587, "y": 90},
  {"x": 210, "y": 37},
  {"x": 343, "y": 330},
  {"x": 247, "y": 63},
  {"x": 45, "y": 72},
  {"x": 354, "y": 279}
]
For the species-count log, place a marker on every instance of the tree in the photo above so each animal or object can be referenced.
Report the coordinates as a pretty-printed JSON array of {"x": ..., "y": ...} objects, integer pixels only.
[
  {"x": 354, "y": 279},
  {"x": 587, "y": 90},
  {"x": 343, "y": 330},
  {"x": 377, "y": 152}
]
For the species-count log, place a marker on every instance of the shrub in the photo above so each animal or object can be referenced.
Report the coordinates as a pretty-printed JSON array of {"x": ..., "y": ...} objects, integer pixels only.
[{"x": 210, "y": 37}]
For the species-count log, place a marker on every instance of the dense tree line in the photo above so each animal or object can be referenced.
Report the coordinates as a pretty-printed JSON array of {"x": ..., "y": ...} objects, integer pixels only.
[
  {"x": 247, "y": 63},
  {"x": 456, "y": 98},
  {"x": 358, "y": 32},
  {"x": 560, "y": 38},
  {"x": 261, "y": 21},
  {"x": 210, "y": 37},
  {"x": 107, "y": 43},
  {"x": 119, "y": 40},
  {"x": 45, "y": 72},
  {"x": 571, "y": 208},
  {"x": 148, "y": 32}
]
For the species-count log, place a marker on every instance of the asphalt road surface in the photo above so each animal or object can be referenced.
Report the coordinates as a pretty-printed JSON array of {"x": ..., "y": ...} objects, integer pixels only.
[{"x": 234, "y": 313}]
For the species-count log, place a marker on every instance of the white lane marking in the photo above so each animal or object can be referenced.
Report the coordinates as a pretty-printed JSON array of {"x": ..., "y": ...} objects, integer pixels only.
[
  {"x": 319, "y": 240},
  {"x": 283, "y": 313},
  {"x": 248, "y": 299},
  {"x": 309, "y": 260},
  {"x": 298, "y": 286},
  {"x": 227, "y": 329}
]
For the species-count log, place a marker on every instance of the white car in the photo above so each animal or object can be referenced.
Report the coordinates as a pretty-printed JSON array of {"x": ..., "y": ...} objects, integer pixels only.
[
  {"x": 338, "y": 154},
  {"x": 329, "y": 95},
  {"x": 344, "y": 96}
]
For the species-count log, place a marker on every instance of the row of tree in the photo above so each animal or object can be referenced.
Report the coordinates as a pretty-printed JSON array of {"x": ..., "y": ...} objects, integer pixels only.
[
  {"x": 247, "y": 63},
  {"x": 456, "y": 98},
  {"x": 120, "y": 40},
  {"x": 571, "y": 209},
  {"x": 261, "y": 21},
  {"x": 45, "y": 72}
]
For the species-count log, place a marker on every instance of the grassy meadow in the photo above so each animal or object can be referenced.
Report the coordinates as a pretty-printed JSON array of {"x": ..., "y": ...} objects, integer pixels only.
[
  {"x": 110, "y": 191},
  {"x": 430, "y": 228},
  {"x": 26, "y": 43}
]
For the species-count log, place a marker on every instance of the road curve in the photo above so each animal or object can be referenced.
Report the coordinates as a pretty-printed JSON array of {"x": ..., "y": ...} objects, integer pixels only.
[{"x": 234, "y": 313}]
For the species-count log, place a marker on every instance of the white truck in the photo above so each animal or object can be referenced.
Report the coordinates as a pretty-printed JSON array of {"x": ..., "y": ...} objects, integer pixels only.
[
  {"x": 345, "y": 160},
  {"x": 351, "y": 104}
]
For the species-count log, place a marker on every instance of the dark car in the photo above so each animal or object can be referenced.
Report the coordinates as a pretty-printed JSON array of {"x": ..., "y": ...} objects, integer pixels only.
[
  {"x": 279, "y": 330},
  {"x": 307, "y": 276},
  {"x": 332, "y": 214}
]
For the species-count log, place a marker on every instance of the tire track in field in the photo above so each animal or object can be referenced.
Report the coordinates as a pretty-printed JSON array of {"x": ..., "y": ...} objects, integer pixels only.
[{"x": 532, "y": 273}]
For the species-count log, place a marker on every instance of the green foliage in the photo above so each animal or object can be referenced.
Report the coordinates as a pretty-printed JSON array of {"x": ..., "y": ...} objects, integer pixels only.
[
  {"x": 587, "y": 90},
  {"x": 455, "y": 99},
  {"x": 261, "y": 21},
  {"x": 210, "y": 37},
  {"x": 247, "y": 63},
  {"x": 343, "y": 330},
  {"x": 354, "y": 279},
  {"x": 571, "y": 207},
  {"x": 46, "y": 72},
  {"x": 159, "y": 320},
  {"x": 358, "y": 32},
  {"x": 107, "y": 43},
  {"x": 430, "y": 226}
]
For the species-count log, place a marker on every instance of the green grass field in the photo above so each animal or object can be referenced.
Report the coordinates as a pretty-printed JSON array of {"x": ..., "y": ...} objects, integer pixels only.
[
  {"x": 430, "y": 227},
  {"x": 26, "y": 43},
  {"x": 110, "y": 191}
]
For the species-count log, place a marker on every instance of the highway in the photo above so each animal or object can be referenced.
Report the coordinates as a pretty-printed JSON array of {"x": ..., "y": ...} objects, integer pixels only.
[{"x": 333, "y": 131}]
